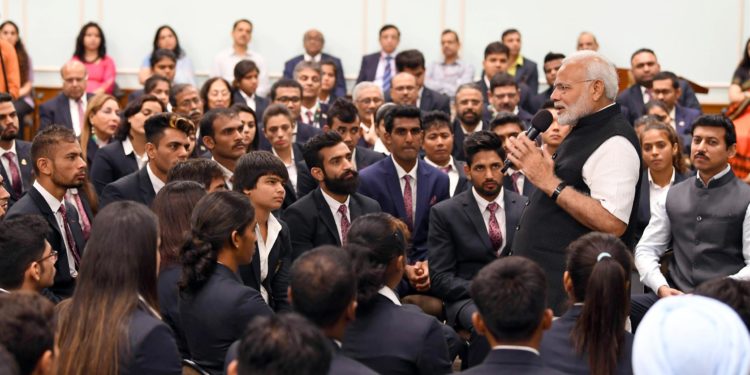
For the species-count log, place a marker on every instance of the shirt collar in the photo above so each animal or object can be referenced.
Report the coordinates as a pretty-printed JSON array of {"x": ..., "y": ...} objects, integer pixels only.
[
  {"x": 332, "y": 203},
  {"x": 312, "y": 109},
  {"x": 315, "y": 58},
  {"x": 390, "y": 294},
  {"x": 519, "y": 60},
  {"x": 4, "y": 291},
  {"x": 433, "y": 164},
  {"x": 401, "y": 172},
  {"x": 483, "y": 203},
  {"x": 651, "y": 180},
  {"x": 52, "y": 202},
  {"x": 716, "y": 176},
  {"x": 273, "y": 150},
  {"x": 11, "y": 149},
  {"x": 83, "y": 99},
  {"x": 274, "y": 226},
  {"x": 244, "y": 96},
  {"x": 477, "y": 127},
  {"x": 156, "y": 183},
  {"x": 515, "y": 347},
  {"x": 383, "y": 55}
]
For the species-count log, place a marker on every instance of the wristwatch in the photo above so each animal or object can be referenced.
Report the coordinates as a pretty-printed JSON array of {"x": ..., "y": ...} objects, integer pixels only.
[{"x": 558, "y": 190}]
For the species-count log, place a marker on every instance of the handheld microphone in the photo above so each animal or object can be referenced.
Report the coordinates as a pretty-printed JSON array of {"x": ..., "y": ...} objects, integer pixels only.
[{"x": 539, "y": 124}]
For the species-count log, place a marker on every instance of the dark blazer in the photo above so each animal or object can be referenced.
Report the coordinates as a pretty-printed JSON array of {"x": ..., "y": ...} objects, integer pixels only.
[
  {"x": 343, "y": 365},
  {"x": 558, "y": 351},
  {"x": 459, "y": 245},
  {"x": 391, "y": 339},
  {"x": 169, "y": 305},
  {"x": 458, "y": 135},
  {"x": 110, "y": 165},
  {"x": 369, "y": 67},
  {"x": 684, "y": 118},
  {"x": 261, "y": 104},
  {"x": 528, "y": 74},
  {"x": 381, "y": 183},
  {"x": 32, "y": 203},
  {"x": 525, "y": 116},
  {"x": 313, "y": 223},
  {"x": 364, "y": 157},
  {"x": 277, "y": 279},
  {"x": 632, "y": 99},
  {"x": 512, "y": 361},
  {"x": 340, "y": 88},
  {"x": 528, "y": 187},
  {"x": 152, "y": 348},
  {"x": 432, "y": 100},
  {"x": 644, "y": 201},
  {"x": 133, "y": 187},
  {"x": 536, "y": 102},
  {"x": 25, "y": 167},
  {"x": 216, "y": 316},
  {"x": 91, "y": 151},
  {"x": 57, "y": 111},
  {"x": 463, "y": 182},
  {"x": 305, "y": 132}
]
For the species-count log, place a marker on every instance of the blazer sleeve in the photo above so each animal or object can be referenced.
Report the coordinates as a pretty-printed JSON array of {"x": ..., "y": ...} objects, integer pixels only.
[
  {"x": 101, "y": 172},
  {"x": 442, "y": 255},
  {"x": 46, "y": 115},
  {"x": 340, "y": 89},
  {"x": 688, "y": 98},
  {"x": 303, "y": 233},
  {"x": 289, "y": 69},
  {"x": 157, "y": 354},
  {"x": 434, "y": 356},
  {"x": 362, "y": 70},
  {"x": 281, "y": 279},
  {"x": 249, "y": 306},
  {"x": 533, "y": 81},
  {"x": 110, "y": 194}
]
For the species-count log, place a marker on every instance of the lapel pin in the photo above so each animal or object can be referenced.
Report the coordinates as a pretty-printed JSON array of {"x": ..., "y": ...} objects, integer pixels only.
[{"x": 23, "y": 161}]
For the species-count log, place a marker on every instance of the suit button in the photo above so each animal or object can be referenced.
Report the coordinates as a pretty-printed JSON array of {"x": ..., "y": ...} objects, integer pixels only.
[
  {"x": 699, "y": 218},
  {"x": 518, "y": 227},
  {"x": 526, "y": 204}
]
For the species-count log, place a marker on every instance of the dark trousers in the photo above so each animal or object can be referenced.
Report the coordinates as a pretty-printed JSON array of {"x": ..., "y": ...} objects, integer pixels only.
[
  {"x": 478, "y": 345},
  {"x": 639, "y": 305}
]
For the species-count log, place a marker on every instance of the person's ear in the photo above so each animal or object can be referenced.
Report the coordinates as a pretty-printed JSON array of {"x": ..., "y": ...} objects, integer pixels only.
[
  {"x": 236, "y": 238},
  {"x": 232, "y": 368},
  {"x": 151, "y": 150},
  {"x": 479, "y": 324},
  {"x": 547, "y": 319},
  {"x": 732, "y": 150},
  {"x": 568, "y": 283},
  {"x": 44, "y": 165},
  {"x": 317, "y": 173},
  {"x": 351, "y": 310},
  {"x": 46, "y": 364},
  {"x": 208, "y": 142},
  {"x": 289, "y": 294},
  {"x": 34, "y": 271}
]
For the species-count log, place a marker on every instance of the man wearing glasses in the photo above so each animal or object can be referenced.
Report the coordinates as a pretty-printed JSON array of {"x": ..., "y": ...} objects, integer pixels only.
[
  {"x": 343, "y": 118},
  {"x": 27, "y": 260},
  {"x": 368, "y": 97},
  {"x": 288, "y": 92},
  {"x": 591, "y": 185}
]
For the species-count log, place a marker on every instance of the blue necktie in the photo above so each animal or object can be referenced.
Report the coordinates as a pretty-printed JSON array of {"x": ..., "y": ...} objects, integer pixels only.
[{"x": 387, "y": 75}]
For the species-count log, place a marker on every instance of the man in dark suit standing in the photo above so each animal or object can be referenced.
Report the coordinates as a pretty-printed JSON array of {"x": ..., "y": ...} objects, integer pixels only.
[
  {"x": 644, "y": 66},
  {"x": 513, "y": 323},
  {"x": 69, "y": 106},
  {"x": 412, "y": 61},
  {"x": 522, "y": 69},
  {"x": 343, "y": 118},
  {"x": 380, "y": 67},
  {"x": 666, "y": 87},
  {"x": 505, "y": 96},
  {"x": 471, "y": 116},
  {"x": 323, "y": 217},
  {"x": 470, "y": 231},
  {"x": 245, "y": 84},
  {"x": 438, "y": 147},
  {"x": 496, "y": 60},
  {"x": 167, "y": 144},
  {"x": 58, "y": 166},
  {"x": 313, "y": 42},
  {"x": 407, "y": 187},
  {"x": 15, "y": 155}
]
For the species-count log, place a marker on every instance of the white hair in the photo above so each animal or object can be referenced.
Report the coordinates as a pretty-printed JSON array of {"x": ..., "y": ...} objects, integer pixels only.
[
  {"x": 364, "y": 85},
  {"x": 597, "y": 67}
]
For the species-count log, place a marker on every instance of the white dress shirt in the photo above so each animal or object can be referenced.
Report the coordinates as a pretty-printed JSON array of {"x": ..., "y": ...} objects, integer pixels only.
[
  {"x": 402, "y": 182},
  {"x": 381, "y": 68},
  {"x": 156, "y": 183},
  {"x": 74, "y": 119},
  {"x": 656, "y": 192},
  {"x": 334, "y": 205},
  {"x": 291, "y": 168},
  {"x": 499, "y": 213},
  {"x": 657, "y": 237},
  {"x": 477, "y": 127},
  {"x": 264, "y": 249},
  {"x": 453, "y": 175},
  {"x": 225, "y": 61},
  {"x": 249, "y": 100},
  {"x": 390, "y": 294},
  {"x": 516, "y": 347},
  {"x": 54, "y": 206},
  {"x": 445, "y": 78},
  {"x": 127, "y": 148},
  {"x": 227, "y": 174},
  {"x": 519, "y": 181}
]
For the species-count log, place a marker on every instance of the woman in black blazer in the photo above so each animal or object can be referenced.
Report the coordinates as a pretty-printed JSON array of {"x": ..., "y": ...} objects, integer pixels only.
[
  {"x": 590, "y": 338},
  {"x": 215, "y": 306},
  {"x": 111, "y": 325},
  {"x": 113, "y": 161}
]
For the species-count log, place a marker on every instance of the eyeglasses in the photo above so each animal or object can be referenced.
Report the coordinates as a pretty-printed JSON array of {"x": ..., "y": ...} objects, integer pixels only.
[
  {"x": 565, "y": 87},
  {"x": 289, "y": 99},
  {"x": 53, "y": 254}
]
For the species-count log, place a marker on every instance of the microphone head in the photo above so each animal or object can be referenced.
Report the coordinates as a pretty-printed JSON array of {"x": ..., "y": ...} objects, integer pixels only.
[{"x": 542, "y": 120}]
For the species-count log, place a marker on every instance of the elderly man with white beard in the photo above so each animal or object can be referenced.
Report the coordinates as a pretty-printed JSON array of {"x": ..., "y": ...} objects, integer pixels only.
[{"x": 590, "y": 183}]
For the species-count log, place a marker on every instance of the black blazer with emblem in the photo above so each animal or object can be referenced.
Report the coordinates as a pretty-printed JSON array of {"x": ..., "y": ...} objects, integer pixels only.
[
  {"x": 135, "y": 187},
  {"x": 314, "y": 224},
  {"x": 23, "y": 154}
]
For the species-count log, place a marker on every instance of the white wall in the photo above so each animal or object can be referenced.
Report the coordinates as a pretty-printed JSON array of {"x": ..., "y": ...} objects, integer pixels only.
[{"x": 698, "y": 39}]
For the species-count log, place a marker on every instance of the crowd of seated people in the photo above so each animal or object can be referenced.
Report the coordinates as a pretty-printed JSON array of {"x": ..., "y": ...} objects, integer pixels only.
[{"x": 412, "y": 225}]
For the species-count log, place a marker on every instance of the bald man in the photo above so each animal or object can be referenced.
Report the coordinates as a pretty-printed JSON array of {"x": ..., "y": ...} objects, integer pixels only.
[
  {"x": 68, "y": 107},
  {"x": 404, "y": 89},
  {"x": 313, "y": 42},
  {"x": 587, "y": 42}
]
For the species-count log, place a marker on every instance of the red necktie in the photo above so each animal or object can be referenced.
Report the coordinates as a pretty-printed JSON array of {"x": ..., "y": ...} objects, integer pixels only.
[
  {"x": 15, "y": 174},
  {"x": 85, "y": 223},
  {"x": 344, "y": 224},
  {"x": 515, "y": 176},
  {"x": 69, "y": 236},
  {"x": 496, "y": 236},
  {"x": 408, "y": 204},
  {"x": 309, "y": 115}
]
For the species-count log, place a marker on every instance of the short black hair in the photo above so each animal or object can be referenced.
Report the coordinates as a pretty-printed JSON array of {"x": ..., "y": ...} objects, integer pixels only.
[
  {"x": 717, "y": 121},
  {"x": 160, "y": 54},
  {"x": 244, "y": 67},
  {"x": 208, "y": 119},
  {"x": 551, "y": 56},
  {"x": 274, "y": 110},
  {"x": 436, "y": 119},
  {"x": 664, "y": 74},
  {"x": 502, "y": 80},
  {"x": 450, "y": 31},
  {"x": 152, "y": 81},
  {"x": 642, "y": 50},
  {"x": 284, "y": 82},
  {"x": 311, "y": 149},
  {"x": 735, "y": 293},
  {"x": 389, "y": 26},
  {"x": 401, "y": 111},
  {"x": 245, "y": 20},
  {"x": 200, "y": 170},
  {"x": 48, "y": 138},
  {"x": 156, "y": 125},
  {"x": 482, "y": 140},
  {"x": 331, "y": 63},
  {"x": 283, "y": 344},
  {"x": 511, "y": 296},
  {"x": 21, "y": 243},
  {"x": 409, "y": 59},
  {"x": 254, "y": 165},
  {"x": 26, "y": 327},
  {"x": 469, "y": 86},
  {"x": 382, "y": 111},
  {"x": 343, "y": 110},
  {"x": 496, "y": 48},
  {"x": 504, "y": 118},
  {"x": 175, "y": 90},
  {"x": 323, "y": 284},
  {"x": 5, "y": 97},
  {"x": 508, "y": 32}
]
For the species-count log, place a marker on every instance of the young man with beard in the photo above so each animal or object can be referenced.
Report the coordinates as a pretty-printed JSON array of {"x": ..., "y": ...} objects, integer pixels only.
[
  {"x": 471, "y": 230},
  {"x": 471, "y": 116},
  {"x": 221, "y": 132},
  {"x": 323, "y": 217},
  {"x": 15, "y": 155},
  {"x": 58, "y": 166}
]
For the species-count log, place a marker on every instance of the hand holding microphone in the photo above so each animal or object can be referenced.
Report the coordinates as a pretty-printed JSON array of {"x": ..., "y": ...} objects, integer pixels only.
[{"x": 539, "y": 124}]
